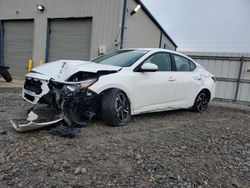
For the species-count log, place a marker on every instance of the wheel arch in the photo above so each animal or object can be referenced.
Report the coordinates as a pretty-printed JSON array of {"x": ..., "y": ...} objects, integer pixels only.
[{"x": 107, "y": 90}]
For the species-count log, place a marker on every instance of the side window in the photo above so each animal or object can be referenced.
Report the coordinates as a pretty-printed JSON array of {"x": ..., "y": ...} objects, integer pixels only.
[
  {"x": 182, "y": 64},
  {"x": 192, "y": 65},
  {"x": 162, "y": 60}
]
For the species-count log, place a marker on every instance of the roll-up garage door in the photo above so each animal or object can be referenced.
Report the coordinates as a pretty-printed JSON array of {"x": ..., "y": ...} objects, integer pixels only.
[
  {"x": 69, "y": 39},
  {"x": 17, "y": 45}
]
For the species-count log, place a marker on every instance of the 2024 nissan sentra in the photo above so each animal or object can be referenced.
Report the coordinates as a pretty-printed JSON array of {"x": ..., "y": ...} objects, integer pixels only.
[{"x": 120, "y": 84}]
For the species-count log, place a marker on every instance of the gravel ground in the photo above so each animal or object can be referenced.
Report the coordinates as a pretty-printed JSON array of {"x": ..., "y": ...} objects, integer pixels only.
[{"x": 168, "y": 149}]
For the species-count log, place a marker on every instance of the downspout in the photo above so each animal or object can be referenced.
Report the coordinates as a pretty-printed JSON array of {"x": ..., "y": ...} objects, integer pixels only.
[
  {"x": 160, "y": 40},
  {"x": 125, "y": 6},
  {"x": 47, "y": 42},
  {"x": 1, "y": 43}
]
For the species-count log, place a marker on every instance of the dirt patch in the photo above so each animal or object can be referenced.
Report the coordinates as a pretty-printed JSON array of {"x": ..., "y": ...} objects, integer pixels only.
[{"x": 179, "y": 148}]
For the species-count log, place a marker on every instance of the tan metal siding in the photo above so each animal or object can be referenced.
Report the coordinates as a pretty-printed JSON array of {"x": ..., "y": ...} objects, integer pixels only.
[
  {"x": 106, "y": 19},
  {"x": 141, "y": 31},
  {"x": 165, "y": 40}
]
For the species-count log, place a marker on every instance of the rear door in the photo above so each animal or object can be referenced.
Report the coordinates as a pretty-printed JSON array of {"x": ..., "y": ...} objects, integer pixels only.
[
  {"x": 154, "y": 91},
  {"x": 188, "y": 81}
]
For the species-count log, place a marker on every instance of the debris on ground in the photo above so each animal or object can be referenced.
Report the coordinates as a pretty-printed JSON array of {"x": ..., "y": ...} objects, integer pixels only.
[
  {"x": 65, "y": 130},
  {"x": 39, "y": 117},
  {"x": 3, "y": 132}
]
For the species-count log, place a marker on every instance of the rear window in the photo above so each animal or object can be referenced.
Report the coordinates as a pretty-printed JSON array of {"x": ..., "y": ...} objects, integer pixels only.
[
  {"x": 120, "y": 58},
  {"x": 192, "y": 65},
  {"x": 183, "y": 64}
]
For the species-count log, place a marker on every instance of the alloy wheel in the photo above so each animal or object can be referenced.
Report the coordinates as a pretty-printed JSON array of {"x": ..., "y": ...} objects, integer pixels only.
[
  {"x": 202, "y": 102},
  {"x": 122, "y": 107}
]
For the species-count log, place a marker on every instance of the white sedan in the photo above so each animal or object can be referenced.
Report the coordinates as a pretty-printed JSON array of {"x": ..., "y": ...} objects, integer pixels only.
[{"x": 119, "y": 84}]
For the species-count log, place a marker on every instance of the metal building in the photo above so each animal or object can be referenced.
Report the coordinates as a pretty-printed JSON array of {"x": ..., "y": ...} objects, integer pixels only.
[{"x": 73, "y": 29}]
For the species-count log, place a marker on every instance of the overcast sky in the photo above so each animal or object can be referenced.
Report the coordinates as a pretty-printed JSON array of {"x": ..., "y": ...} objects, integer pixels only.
[{"x": 205, "y": 25}]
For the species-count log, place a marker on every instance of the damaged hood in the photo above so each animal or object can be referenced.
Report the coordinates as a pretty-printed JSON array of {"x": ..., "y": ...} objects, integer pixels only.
[{"x": 63, "y": 69}]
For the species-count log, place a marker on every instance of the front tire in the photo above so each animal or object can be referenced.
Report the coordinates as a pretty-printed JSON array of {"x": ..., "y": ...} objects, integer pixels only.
[
  {"x": 116, "y": 108},
  {"x": 201, "y": 102}
]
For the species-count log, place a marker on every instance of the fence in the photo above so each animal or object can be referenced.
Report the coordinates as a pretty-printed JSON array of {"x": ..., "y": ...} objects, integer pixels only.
[{"x": 232, "y": 72}]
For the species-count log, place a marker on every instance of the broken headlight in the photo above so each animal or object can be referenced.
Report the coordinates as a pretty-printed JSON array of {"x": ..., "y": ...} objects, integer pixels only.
[{"x": 81, "y": 85}]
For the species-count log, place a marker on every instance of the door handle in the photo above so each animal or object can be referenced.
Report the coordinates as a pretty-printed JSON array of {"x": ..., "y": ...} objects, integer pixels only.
[
  {"x": 197, "y": 78},
  {"x": 171, "y": 79}
]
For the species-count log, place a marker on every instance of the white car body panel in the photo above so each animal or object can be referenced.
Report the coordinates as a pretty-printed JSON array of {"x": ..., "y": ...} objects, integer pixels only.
[
  {"x": 154, "y": 86},
  {"x": 147, "y": 91},
  {"x": 62, "y": 69}
]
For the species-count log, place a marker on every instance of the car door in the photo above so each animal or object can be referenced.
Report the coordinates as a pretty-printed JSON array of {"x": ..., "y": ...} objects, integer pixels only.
[
  {"x": 154, "y": 91},
  {"x": 188, "y": 81}
]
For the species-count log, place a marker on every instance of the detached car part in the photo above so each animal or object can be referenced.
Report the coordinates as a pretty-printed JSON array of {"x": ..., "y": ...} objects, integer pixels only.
[
  {"x": 32, "y": 125},
  {"x": 5, "y": 73}
]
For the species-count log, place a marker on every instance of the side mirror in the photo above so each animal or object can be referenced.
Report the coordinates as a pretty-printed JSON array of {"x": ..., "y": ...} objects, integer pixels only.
[{"x": 149, "y": 67}]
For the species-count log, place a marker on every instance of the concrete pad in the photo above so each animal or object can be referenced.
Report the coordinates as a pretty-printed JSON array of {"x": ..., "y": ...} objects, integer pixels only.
[{"x": 17, "y": 82}]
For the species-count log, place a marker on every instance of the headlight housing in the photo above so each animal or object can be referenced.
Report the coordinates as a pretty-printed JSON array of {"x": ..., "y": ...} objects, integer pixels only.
[{"x": 81, "y": 85}]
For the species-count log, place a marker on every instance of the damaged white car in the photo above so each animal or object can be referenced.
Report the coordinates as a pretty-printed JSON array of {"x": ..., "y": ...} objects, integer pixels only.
[{"x": 120, "y": 84}]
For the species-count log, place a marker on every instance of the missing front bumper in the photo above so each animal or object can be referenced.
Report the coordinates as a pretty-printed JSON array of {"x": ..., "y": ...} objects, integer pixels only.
[
  {"x": 37, "y": 118},
  {"x": 32, "y": 125},
  {"x": 76, "y": 106}
]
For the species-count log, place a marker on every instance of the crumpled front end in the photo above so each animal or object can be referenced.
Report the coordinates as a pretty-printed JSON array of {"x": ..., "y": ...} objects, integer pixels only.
[
  {"x": 69, "y": 72},
  {"x": 72, "y": 99},
  {"x": 74, "y": 105},
  {"x": 70, "y": 103},
  {"x": 77, "y": 105},
  {"x": 34, "y": 89}
]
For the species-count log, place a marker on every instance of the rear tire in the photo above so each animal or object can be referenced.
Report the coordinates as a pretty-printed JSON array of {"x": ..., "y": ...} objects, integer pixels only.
[
  {"x": 6, "y": 75},
  {"x": 116, "y": 108},
  {"x": 201, "y": 102}
]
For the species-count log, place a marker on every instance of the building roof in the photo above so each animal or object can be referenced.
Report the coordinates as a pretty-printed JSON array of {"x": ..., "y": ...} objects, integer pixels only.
[{"x": 155, "y": 21}]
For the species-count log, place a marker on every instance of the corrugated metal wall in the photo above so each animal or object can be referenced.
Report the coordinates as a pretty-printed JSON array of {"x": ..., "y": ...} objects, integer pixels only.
[
  {"x": 106, "y": 16},
  {"x": 166, "y": 41},
  {"x": 231, "y": 72},
  {"x": 141, "y": 31}
]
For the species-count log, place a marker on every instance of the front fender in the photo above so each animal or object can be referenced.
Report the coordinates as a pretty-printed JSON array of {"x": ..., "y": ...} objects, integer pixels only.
[
  {"x": 122, "y": 82},
  {"x": 100, "y": 89}
]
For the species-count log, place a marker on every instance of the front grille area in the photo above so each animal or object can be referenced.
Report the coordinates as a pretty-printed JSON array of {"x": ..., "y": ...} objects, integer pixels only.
[
  {"x": 33, "y": 85},
  {"x": 30, "y": 98}
]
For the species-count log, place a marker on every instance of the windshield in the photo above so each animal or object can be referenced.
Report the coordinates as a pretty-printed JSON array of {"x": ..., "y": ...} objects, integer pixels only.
[{"x": 120, "y": 58}]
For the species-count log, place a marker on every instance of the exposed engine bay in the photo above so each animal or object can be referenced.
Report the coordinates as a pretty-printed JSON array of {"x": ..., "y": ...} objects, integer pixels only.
[{"x": 77, "y": 104}]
